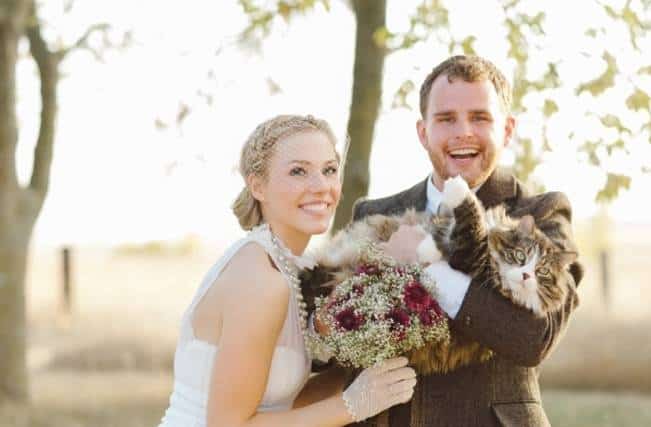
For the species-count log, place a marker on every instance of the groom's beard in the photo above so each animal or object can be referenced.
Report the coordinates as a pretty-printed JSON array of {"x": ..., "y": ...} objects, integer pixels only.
[{"x": 475, "y": 176}]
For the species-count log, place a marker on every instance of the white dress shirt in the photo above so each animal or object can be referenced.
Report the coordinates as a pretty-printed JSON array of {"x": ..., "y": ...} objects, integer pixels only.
[{"x": 452, "y": 284}]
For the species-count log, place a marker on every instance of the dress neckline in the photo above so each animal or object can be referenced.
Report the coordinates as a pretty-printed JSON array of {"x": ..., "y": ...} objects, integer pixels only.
[{"x": 299, "y": 262}]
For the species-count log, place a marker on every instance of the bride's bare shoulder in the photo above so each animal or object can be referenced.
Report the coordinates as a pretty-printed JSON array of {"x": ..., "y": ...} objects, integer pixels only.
[{"x": 251, "y": 273}]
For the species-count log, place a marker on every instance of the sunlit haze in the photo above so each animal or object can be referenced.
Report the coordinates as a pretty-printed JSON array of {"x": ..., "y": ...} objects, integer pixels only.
[{"x": 117, "y": 177}]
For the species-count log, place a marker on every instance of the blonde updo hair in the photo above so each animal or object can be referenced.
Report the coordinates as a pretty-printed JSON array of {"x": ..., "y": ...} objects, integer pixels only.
[{"x": 258, "y": 149}]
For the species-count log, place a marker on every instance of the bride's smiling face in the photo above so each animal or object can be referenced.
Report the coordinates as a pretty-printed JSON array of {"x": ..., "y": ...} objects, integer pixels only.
[{"x": 301, "y": 191}]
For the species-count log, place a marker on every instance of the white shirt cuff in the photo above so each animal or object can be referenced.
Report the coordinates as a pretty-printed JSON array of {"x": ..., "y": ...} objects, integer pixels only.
[{"x": 452, "y": 286}]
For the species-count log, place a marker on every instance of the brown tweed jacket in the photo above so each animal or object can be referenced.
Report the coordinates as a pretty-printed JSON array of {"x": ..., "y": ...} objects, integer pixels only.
[{"x": 505, "y": 390}]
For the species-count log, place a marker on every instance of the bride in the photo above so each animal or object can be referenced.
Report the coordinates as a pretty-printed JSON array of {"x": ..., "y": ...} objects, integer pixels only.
[{"x": 241, "y": 358}]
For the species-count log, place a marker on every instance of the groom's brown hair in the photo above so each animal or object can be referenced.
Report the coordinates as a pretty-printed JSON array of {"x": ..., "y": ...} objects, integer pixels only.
[{"x": 470, "y": 69}]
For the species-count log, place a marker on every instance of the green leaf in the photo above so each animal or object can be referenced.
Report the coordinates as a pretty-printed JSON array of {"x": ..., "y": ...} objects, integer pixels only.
[
  {"x": 590, "y": 148},
  {"x": 517, "y": 42},
  {"x": 630, "y": 17},
  {"x": 451, "y": 46},
  {"x": 381, "y": 36},
  {"x": 639, "y": 100},
  {"x": 550, "y": 107},
  {"x": 400, "y": 97},
  {"x": 617, "y": 145},
  {"x": 591, "y": 32},
  {"x": 612, "y": 121},
  {"x": 546, "y": 145},
  {"x": 284, "y": 10},
  {"x": 248, "y": 6},
  {"x": 467, "y": 43},
  {"x": 526, "y": 160},
  {"x": 611, "y": 12},
  {"x": 536, "y": 23},
  {"x": 604, "y": 81},
  {"x": 614, "y": 184},
  {"x": 409, "y": 40}
]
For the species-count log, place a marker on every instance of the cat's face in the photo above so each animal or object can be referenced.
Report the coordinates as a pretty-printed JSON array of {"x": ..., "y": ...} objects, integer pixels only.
[
  {"x": 530, "y": 266},
  {"x": 517, "y": 254}
]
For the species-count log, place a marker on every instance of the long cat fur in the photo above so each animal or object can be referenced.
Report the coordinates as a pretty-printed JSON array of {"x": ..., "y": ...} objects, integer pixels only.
[{"x": 472, "y": 240}]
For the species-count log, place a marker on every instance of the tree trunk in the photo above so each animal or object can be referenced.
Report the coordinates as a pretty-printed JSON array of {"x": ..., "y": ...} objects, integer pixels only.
[
  {"x": 19, "y": 207},
  {"x": 367, "y": 93},
  {"x": 13, "y": 332},
  {"x": 11, "y": 14}
]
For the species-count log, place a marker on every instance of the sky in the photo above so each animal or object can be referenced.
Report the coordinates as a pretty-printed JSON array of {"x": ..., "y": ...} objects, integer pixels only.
[{"x": 119, "y": 178}]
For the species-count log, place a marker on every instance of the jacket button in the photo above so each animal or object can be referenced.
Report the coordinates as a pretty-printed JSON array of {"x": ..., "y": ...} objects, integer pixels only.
[{"x": 467, "y": 320}]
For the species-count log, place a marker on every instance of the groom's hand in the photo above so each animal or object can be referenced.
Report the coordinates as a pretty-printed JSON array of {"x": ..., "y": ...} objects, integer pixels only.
[
  {"x": 320, "y": 327},
  {"x": 403, "y": 244}
]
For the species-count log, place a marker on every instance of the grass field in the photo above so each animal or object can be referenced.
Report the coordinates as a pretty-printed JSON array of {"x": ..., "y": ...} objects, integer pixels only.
[
  {"x": 109, "y": 363},
  {"x": 127, "y": 399}
]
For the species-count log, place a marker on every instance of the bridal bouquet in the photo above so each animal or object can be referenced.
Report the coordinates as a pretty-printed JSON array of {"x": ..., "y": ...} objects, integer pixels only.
[{"x": 381, "y": 309}]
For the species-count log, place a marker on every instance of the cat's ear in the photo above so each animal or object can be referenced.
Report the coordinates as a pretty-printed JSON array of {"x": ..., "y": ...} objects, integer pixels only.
[
  {"x": 526, "y": 225},
  {"x": 566, "y": 258}
]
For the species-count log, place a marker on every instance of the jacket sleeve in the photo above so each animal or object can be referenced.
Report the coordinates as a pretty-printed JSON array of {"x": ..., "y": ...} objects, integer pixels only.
[{"x": 512, "y": 331}]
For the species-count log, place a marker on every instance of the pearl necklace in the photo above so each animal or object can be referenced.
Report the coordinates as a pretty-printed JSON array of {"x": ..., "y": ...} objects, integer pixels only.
[{"x": 290, "y": 271}]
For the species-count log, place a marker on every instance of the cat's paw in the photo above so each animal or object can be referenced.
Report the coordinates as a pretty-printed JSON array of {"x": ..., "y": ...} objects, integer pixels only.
[
  {"x": 427, "y": 251},
  {"x": 455, "y": 190}
]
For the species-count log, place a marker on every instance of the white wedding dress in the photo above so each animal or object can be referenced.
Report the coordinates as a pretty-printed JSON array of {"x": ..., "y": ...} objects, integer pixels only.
[{"x": 194, "y": 358}]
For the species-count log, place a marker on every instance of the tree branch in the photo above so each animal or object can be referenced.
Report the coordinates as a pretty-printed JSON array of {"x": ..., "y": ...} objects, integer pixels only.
[
  {"x": 47, "y": 63},
  {"x": 82, "y": 42},
  {"x": 13, "y": 15}
]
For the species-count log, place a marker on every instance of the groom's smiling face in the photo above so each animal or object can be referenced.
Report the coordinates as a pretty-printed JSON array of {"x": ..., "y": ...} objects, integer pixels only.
[{"x": 464, "y": 130}]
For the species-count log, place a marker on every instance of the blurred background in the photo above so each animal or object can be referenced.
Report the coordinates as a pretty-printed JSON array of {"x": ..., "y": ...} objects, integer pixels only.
[{"x": 121, "y": 128}]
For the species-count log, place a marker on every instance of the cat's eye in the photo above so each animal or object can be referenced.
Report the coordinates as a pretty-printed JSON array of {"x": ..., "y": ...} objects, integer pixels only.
[
  {"x": 519, "y": 256},
  {"x": 543, "y": 271}
]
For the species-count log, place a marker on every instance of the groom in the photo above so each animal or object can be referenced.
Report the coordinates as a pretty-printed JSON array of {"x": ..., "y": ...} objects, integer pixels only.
[{"x": 465, "y": 125}]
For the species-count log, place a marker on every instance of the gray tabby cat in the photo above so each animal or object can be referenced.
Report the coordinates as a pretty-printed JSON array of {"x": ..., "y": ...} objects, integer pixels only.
[{"x": 512, "y": 253}]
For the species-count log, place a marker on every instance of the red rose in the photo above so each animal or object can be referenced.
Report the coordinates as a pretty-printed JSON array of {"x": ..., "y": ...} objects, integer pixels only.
[
  {"x": 347, "y": 319},
  {"x": 399, "y": 317},
  {"x": 368, "y": 269},
  {"x": 358, "y": 289},
  {"x": 426, "y": 318},
  {"x": 417, "y": 298},
  {"x": 432, "y": 313},
  {"x": 400, "y": 321},
  {"x": 436, "y": 308}
]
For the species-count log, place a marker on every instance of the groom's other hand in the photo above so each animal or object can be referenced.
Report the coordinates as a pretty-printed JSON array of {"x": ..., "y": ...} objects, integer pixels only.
[{"x": 403, "y": 244}]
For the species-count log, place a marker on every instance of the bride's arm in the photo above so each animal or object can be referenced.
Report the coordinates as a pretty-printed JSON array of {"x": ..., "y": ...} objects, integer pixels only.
[
  {"x": 254, "y": 311},
  {"x": 322, "y": 385}
]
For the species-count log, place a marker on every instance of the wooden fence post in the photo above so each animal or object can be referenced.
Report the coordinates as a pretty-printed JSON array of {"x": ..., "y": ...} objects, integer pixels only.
[
  {"x": 606, "y": 285},
  {"x": 66, "y": 294}
]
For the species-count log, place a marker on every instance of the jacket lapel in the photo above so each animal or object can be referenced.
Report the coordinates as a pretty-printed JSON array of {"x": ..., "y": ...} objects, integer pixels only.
[
  {"x": 415, "y": 197},
  {"x": 499, "y": 187}
]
